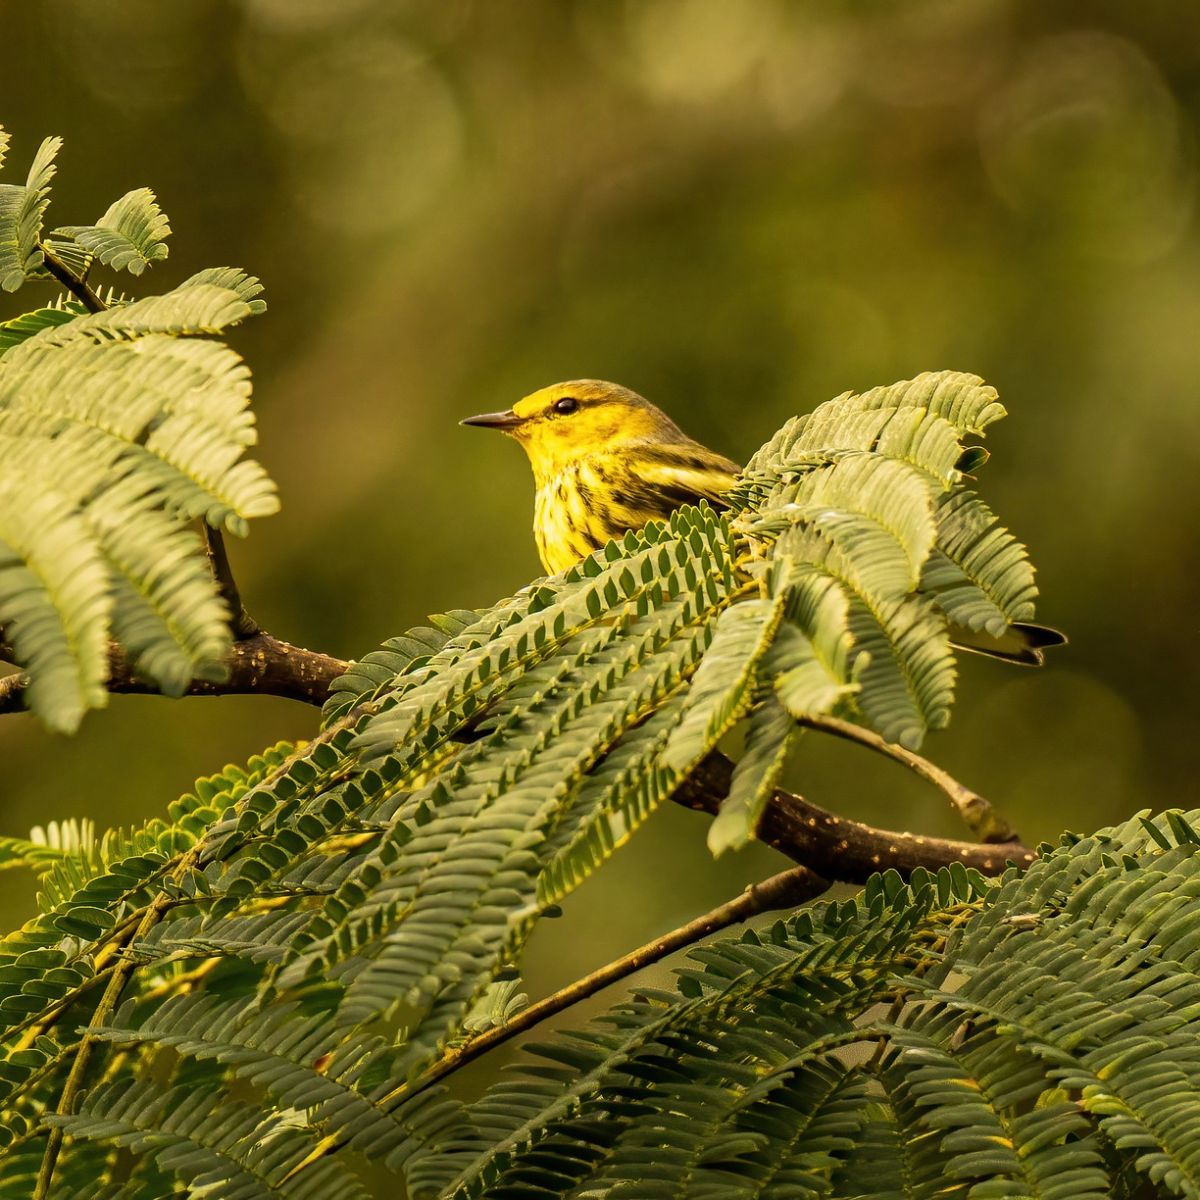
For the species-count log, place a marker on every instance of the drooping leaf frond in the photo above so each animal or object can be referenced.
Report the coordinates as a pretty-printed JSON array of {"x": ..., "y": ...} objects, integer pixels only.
[
  {"x": 769, "y": 735},
  {"x": 118, "y": 429},
  {"x": 129, "y": 237},
  {"x": 980, "y": 575},
  {"x": 950, "y": 1037}
]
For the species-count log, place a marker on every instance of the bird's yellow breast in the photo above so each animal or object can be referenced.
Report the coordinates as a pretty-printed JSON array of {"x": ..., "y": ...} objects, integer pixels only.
[
  {"x": 564, "y": 525},
  {"x": 591, "y": 501}
]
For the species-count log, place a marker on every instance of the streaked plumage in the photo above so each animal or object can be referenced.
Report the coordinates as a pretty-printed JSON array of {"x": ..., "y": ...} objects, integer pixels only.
[
  {"x": 605, "y": 460},
  {"x": 611, "y": 463}
]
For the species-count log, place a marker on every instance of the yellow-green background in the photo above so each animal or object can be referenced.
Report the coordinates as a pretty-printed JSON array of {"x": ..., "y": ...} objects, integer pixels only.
[{"x": 736, "y": 207}]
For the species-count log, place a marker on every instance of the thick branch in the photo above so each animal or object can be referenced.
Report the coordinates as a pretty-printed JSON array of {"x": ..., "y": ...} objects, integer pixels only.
[
  {"x": 840, "y": 848},
  {"x": 788, "y": 889},
  {"x": 834, "y": 846},
  {"x": 257, "y": 665}
]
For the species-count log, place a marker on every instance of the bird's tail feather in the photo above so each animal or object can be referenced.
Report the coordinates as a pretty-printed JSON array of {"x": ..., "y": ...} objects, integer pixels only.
[{"x": 1020, "y": 643}]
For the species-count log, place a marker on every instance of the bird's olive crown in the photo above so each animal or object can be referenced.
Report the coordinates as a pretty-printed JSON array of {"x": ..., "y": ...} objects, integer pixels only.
[
  {"x": 563, "y": 399},
  {"x": 251, "y": 996}
]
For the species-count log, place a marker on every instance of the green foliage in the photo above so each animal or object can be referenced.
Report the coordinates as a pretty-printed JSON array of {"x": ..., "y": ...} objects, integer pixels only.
[
  {"x": 22, "y": 208},
  {"x": 129, "y": 237},
  {"x": 59, "y": 842},
  {"x": 101, "y": 481},
  {"x": 27, "y": 324},
  {"x": 950, "y": 1037},
  {"x": 247, "y": 998},
  {"x": 305, "y": 938}
]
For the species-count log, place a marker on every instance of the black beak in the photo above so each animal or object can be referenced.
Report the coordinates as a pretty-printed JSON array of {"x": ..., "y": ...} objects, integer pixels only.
[{"x": 496, "y": 420}]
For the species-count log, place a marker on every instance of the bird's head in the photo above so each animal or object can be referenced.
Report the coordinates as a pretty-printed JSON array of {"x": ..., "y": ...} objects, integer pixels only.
[{"x": 568, "y": 421}]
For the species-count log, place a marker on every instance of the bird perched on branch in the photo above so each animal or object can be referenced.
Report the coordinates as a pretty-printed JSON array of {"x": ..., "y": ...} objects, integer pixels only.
[{"x": 605, "y": 460}]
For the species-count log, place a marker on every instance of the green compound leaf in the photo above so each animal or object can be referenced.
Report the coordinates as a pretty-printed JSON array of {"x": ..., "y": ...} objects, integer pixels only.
[
  {"x": 21, "y": 211},
  {"x": 100, "y": 480},
  {"x": 129, "y": 237}
]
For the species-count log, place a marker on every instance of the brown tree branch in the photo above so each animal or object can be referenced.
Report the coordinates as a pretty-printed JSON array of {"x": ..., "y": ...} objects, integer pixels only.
[
  {"x": 840, "y": 848},
  {"x": 257, "y": 665},
  {"x": 788, "y": 889},
  {"x": 978, "y": 815}
]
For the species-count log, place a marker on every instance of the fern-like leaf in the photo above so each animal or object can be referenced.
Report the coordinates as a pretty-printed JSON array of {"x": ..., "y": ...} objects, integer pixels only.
[
  {"x": 21, "y": 211},
  {"x": 1050, "y": 1018},
  {"x": 129, "y": 237},
  {"x": 99, "y": 480}
]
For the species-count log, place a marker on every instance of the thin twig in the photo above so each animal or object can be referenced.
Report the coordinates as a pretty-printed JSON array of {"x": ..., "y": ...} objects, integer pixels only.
[
  {"x": 979, "y": 816},
  {"x": 78, "y": 287},
  {"x": 108, "y": 1003},
  {"x": 788, "y": 889},
  {"x": 240, "y": 621}
]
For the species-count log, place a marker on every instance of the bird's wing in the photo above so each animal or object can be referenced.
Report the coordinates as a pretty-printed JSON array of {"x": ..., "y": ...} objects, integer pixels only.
[
  {"x": 646, "y": 483},
  {"x": 683, "y": 474}
]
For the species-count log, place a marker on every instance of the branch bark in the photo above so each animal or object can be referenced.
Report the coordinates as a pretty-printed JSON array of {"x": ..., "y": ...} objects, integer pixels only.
[
  {"x": 843, "y": 849},
  {"x": 977, "y": 814},
  {"x": 260, "y": 665}
]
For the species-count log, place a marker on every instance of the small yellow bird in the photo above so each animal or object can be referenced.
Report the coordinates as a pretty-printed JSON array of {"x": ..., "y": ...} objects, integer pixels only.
[{"x": 605, "y": 460}]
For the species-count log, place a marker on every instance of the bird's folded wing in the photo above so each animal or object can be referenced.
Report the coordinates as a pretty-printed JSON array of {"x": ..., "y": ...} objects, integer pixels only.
[{"x": 683, "y": 475}]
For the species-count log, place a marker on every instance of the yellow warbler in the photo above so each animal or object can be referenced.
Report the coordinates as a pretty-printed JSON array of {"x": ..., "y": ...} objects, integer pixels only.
[{"x": 605, "y": 460}]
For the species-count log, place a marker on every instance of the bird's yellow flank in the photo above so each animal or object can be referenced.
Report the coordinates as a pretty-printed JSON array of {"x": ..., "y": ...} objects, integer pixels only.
[{"x": 604, "y": 460}]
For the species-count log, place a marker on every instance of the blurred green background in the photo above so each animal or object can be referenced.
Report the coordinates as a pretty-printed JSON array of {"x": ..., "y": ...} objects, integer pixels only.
[{"x": 737, "y": 208}]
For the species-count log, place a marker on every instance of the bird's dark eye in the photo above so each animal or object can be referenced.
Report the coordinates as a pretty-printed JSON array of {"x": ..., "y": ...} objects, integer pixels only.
[{"x": 568, "y": 404}]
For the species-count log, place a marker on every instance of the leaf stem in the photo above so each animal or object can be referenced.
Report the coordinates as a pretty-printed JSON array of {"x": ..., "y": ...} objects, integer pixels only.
[
  {"x": 74, "y": 284},
  {"x": 108, "y": 1003},
  {"x": 244, "y": 626},
  {"x": 978, "y": 815},
  {"x": 788, "y": 889}
]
